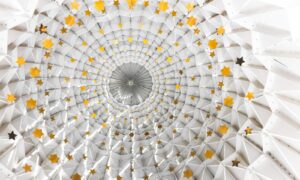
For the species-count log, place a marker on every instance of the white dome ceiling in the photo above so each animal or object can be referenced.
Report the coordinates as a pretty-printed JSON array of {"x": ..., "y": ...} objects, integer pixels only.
[{"x": 137, "y": 89}]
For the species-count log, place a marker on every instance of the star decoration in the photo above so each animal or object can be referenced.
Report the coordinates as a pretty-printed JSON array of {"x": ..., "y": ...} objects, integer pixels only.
[
  {"x": 223, "y": 129},
  {"x": 187, "y": 173},
  {"x": 99, "y": 5},
  {"x": 87, "y": 12},
  {"x": 92, "y": 171},
  {"x": 240, "y": 61},
  {"x": 75, "y": 5},
  {"x": 47, "y": 43},
  {"x": 27, "y": 167},
  {"x": 12, "y": 135},
  {"x": 226, "y": 71},
  {"x": 53, "y": 158},
  {"x": 235, "y": 163},
  {"x": 228, "y": 101},
  {"x": 163, "y": 6},
  {"x": 38, "y": 133},
  {"x": 47, "y": 55},
  {"x": 191, "y": 21},
  {"x": 220, "y": 30},
  {"x": 131, "y": 3},
  {"x": 208, "y": 154},
  {"x": 190, "y": 7},
  {"x": 209, "y": 133},
  {"x": 31, "y": 103},
  {"x": 70, "y": 20},
  {"x": 20, "y": 61},
  {"x": 249, "y": 96},
  {"x": 248, "y": 130},
  {"x": 146, "y": 3},
  {"x": 63, "y": 30},
  {"x": 76, "y": 176},
  {"x": 10, "y": 98},
  {"x": 212, "y": 44},
  {"x": 34, "y": 72},
  {"x": 42, "y": 29}
]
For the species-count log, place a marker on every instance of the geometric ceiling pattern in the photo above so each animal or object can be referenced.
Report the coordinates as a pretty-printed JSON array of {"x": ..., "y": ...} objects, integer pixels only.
[{"x": 222, "y": 98}]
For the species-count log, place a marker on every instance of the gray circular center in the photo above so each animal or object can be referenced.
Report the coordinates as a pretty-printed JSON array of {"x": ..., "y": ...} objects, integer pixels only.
[{"x": 130, "y": 84}]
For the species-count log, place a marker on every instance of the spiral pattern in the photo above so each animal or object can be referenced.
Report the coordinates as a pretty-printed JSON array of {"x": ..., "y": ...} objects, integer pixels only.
[{"x": 148, "y": 90}]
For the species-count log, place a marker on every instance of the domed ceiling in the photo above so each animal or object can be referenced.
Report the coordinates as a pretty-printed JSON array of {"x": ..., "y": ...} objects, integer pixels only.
[{"x": 142, "y": 89}]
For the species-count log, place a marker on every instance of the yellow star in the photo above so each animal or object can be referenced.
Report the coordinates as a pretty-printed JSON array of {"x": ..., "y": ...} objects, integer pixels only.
[
  {"x": 20, "y": 61},
  {"x": 31, "y": 103},
  {"x": 248, "y": 130},
  {"x": 178, "y": 86},
  {"x": 10, "y": 98},
  {"x": 220, "y": 84},
  {"x": 131, "y": 3},
  {"x": 102, "y": 49},
  {"x": 159, "y": 49},
  {"x": 38, "y": 133},
  {"x": 27, "y": 167},
  {"x": 223, "y": 129},
  {"x": 86, "y": 102},
  {"x": 188, "y": 173},
  {"x": 130, "y": 39},
  {"x": 220, "y": 30},
  {"x": 34, "y": 72},
  {"x": 53, "y": 158},
  {"x": 163, "y": 6},
  {"x": 91, "y": 59},
  {"x": 146, "y": 3},
  {"x": 76, "y": 176},
  {"x": 47, "y": 43},
  {"x": 84, "y": 43},
  {"x": 103, "y": 125},
  {"x": 116, "y": 3},
  {"x": 75, "y": 5},
  {"x": 145, "y": 41},
  {"x": 84, "y": 73},
  {"x": 169, "y": 59},
  {"x": 99, "y": 5},
  {"x": 120, "y": 25},
  {"x": 249, "y": 96},
  {"x": 208, "y": 154},
  {"x": 228, "y": 101},
  {"x": 190, "y": 7},
  {"x": 173, "y": 13},
  {"x": 93, "y": 115},
  {"x": 212, "y": 44},
  {"x": 226, "y": 71},
  {"x": 191, "y": 21},
  {"x": 101, "y": 31},
  {"x": 87, "y": 12},
  {"x": 83, "y": 88},
  {"x": 70, "y": 20}
]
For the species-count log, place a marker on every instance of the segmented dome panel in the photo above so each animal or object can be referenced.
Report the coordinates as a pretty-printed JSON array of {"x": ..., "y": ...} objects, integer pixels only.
[{"x": 147, "y": 89}]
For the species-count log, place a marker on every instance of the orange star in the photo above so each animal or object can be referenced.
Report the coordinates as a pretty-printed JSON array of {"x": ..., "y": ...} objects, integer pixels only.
[{"x": 27, "y": 167}]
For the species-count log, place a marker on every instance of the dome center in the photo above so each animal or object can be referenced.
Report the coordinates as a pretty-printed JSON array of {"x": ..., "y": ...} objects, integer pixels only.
[{"x": 130, "y": 84}]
